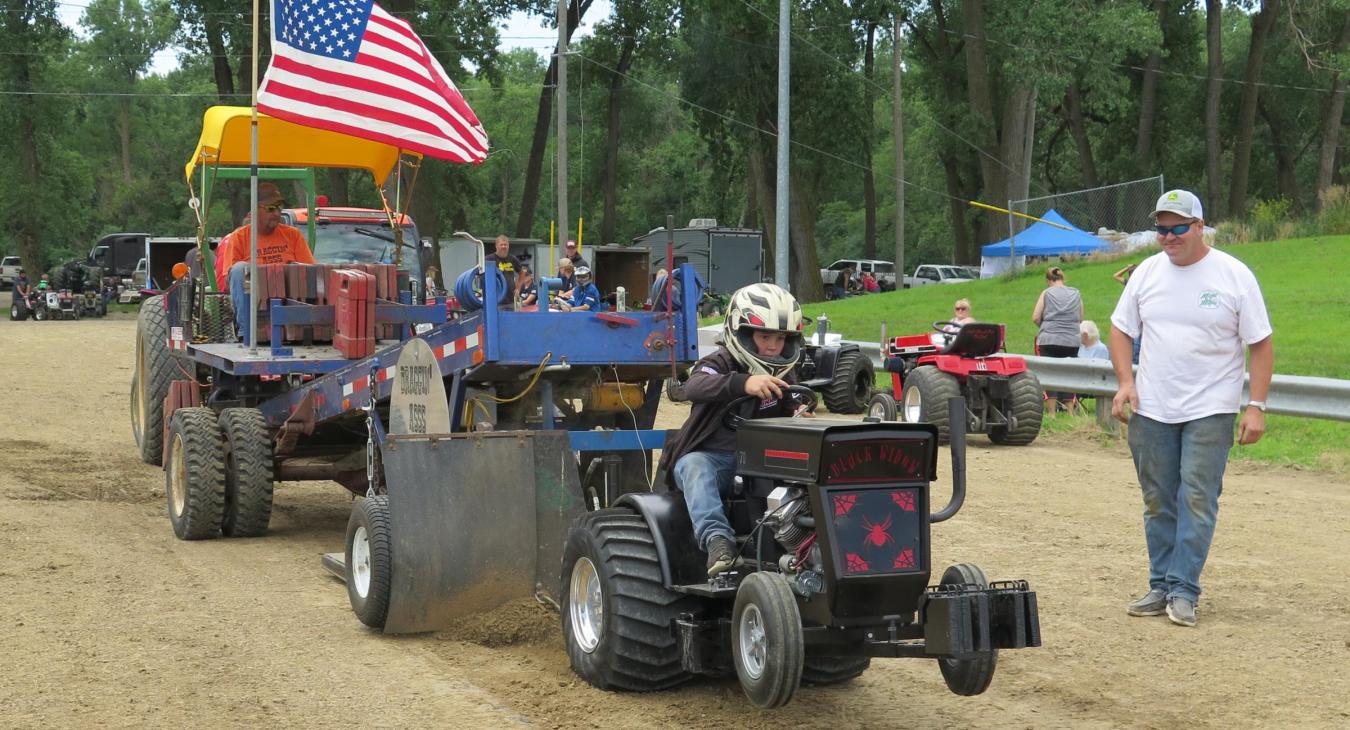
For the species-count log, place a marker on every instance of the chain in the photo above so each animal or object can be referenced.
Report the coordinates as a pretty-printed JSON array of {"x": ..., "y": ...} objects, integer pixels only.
[{"x": 370, "y": 432}]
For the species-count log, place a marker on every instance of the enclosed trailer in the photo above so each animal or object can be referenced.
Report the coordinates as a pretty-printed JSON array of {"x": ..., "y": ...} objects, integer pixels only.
[{"x": 726, "y": 258}]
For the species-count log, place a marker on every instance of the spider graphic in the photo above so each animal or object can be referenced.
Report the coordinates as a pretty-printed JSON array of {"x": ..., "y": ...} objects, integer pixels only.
[
  {"x": 855, "y": 563},
  {"x": 905, "y": 559},
  {"x": 843, "y": 503},
  {"x": 903, "y": 500},
  {"x": 877, "y": 534}
]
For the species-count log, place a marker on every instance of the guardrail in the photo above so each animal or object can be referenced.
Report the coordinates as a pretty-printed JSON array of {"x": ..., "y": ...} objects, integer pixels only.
[{"x": 1290, "y": 395}]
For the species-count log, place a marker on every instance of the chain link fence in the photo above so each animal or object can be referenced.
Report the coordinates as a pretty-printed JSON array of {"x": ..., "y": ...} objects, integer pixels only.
[{"x": 1122, "y": 208}]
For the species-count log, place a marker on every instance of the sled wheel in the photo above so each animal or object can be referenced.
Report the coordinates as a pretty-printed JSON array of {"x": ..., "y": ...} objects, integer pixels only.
[
  {"x": 766, "y": 640},
  {"x": 1026, "y": 410},
  {"x": 616, "y": 612},
  {"x": 851, "y": 385},
  {"x": 927, "y": 391},
  {"x": 150, "y": 379},
  {"x": 826, "y": 670},
  {"x": 248, "y": 472},
  {"x": 369, "y": 560},
  {"x": 194, "y": 478},
  {"x": 968, "y": 676},
  {"x": 41, "y": 314},
  {"x": 881, "y": 406}
]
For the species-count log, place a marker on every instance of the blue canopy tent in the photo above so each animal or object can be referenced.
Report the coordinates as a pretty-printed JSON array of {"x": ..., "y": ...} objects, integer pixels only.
[{"x": 1039, "y": 239}]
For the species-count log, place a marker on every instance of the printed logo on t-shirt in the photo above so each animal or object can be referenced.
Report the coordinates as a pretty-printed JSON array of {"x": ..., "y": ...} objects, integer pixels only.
[{"x": 1209, "y": 299}]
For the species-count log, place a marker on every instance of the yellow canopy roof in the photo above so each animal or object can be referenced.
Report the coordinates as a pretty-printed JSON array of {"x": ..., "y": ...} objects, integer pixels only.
[{"x": 225, "y": 141}]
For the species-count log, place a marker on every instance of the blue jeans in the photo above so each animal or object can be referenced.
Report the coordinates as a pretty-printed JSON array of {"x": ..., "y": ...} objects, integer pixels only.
[
  {"x": 1180, "y": 467},
  {"x": 239, "y": 297},
  {"x": 703, "y": 477}
]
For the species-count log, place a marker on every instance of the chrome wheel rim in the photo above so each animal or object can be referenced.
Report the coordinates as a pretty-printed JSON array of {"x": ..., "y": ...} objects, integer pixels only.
[
  {"x": 751, "y": 642},
  {"x": 177, "y": 477},
  {"x": 361, "y": 562},
  {"x": 877, "y": 410},
  {"x": 913, "y": 405},
  {"x": 586, "y": 605}
]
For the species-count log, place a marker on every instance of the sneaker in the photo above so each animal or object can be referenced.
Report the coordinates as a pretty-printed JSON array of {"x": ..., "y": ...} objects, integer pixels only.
[
  {"x": 1181, "y": 611},
  {"x": 721, "y": 554},
  {"x": 1153, "y": 603}
]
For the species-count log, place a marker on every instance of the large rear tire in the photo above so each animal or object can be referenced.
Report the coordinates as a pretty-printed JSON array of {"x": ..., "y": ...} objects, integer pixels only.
[
  {"x": 248, "y": 472},
  {"x": 369, "y": 560},
  {"x": 851, "y": 385},
  {"x": 194, "y": 479},
  {"x": 766, "y": 640},
  {"x": 1025, "y": 407},
  {"x": 617, "y": 614},
  {"x": 927, "y": 391},
  {"x": 150, "y": 379},
  {"x": 968, "y": 677}
]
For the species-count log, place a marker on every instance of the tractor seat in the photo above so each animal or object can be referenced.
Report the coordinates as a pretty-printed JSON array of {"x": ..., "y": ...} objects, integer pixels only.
[{"x": 977, "y": 339}]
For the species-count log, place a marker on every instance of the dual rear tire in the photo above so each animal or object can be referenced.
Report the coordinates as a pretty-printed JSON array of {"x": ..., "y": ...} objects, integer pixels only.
[{"x": 218, "y": 478}]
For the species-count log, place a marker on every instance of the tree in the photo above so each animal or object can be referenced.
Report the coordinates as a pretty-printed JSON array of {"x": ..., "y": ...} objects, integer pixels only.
[
  {"x": 1262, "y": 25},
  {"x": 1213, "y": 89}
]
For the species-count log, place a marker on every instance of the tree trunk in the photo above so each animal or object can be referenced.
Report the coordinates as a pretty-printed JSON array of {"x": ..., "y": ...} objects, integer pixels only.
[
  {"x": 529, "y": 197},
  {"x": 1073, "y": 109},
  {"x": 220, "y": 60},
  {"x": 338, "y": 193},
  {"x": 804, "y": 265},
  {"x": 1331, "y": 120},
  {"x": 1019, "y": 110},
  {"x": 1286, "y": 158},
  {"x": 763, "y": 195},
  {"x": 1213, "y": 87},
  {"x": 956, "y": 197},
  {"x": 29, "y": 227},
  {"x": 982, "y": 112},
  {"x": 869, "y": 182},
  {"x": 610, "y": 175},
  {"x": 1148, "y": 99},
  {"x": 1262, "y": 24}
]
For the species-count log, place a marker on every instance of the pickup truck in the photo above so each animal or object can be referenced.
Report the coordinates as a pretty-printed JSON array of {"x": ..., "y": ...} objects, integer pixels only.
[
  {"x": 9, "y": 270},
  {"x": 882, "y": 271},
  {"x": 926, "y": 274}
]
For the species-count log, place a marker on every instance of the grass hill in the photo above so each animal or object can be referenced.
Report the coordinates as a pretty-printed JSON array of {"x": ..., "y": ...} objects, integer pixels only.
[{"x": 1306, "y": 283}]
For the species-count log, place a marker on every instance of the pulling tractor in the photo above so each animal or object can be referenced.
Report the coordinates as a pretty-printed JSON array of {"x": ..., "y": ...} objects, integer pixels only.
[
  {"x": 1003, "y": 398},
  {"x": 832, "y": 519}
]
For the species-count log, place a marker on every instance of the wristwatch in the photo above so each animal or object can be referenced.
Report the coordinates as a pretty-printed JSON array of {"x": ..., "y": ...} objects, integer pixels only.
[{"x": 1259, "y": 405}]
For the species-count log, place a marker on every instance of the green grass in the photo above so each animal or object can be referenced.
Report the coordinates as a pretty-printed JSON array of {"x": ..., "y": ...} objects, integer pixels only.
[{"x": 1306, "y": 291}]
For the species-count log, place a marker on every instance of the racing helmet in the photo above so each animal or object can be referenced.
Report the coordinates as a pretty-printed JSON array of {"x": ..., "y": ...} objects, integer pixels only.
[
  {"x": 583, "y": 274},
  {"x": 763, "y": 307}
]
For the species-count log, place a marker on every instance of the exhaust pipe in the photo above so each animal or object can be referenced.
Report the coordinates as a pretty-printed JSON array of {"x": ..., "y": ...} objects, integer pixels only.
[{"x": 956, "y": 427}]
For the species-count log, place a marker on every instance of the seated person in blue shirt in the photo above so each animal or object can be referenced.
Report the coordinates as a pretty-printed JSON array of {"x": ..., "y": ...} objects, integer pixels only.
[{"x": 584, "y": 297}]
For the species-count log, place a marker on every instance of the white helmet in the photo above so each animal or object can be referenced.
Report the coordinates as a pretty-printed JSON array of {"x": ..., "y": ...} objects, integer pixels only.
[{"x": 766, "y": 308}]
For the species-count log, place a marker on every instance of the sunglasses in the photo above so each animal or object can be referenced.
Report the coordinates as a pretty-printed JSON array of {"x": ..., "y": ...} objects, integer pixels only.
[
  {"x": 1177, "y": 230},
  {"x": 273, "y": 207},
  {"x": 962, "y": 309}
]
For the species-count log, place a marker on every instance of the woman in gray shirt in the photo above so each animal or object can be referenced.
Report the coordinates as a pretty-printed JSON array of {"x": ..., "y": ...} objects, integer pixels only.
[{"x": 1058, "y": 312}]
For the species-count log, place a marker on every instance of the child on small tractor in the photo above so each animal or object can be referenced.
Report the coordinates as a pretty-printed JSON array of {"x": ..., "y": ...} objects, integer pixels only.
[{"x": 761, "y": 343}]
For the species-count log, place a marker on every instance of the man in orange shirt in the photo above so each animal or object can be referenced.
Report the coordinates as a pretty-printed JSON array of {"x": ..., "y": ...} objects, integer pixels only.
[{"x": 278, "y": 243}]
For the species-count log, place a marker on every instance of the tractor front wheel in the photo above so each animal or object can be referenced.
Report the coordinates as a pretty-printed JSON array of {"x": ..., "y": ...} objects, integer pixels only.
[
  {"x": 616, "y": 611},
  {"x": 369, "y": 560},
  {"x": 851, "y": 385},
  {"x": 766, "y": 640},
  {"x": 968, "y": 677},
  {"x": 927, "y": 392},
  {"x": 882, "y": 406},
  {"x": 1024, "y": 406},
  {"x": 150, "y": 379}
]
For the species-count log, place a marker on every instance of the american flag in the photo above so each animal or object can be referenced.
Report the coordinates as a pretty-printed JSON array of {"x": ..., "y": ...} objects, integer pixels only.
[{"x": 348, "y": 66}]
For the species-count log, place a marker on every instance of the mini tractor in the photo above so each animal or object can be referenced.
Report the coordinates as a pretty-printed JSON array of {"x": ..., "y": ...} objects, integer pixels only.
[
  {"x": 1003, "y": 398},
  {"x": 832, "y": 519}
]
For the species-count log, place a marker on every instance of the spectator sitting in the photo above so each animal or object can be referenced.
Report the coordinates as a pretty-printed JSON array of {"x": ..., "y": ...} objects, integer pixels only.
[
  {"x": 567, "y": 273},
  {"x": 44, "y": 283},
  {"x": 529, "y": 290},
  {"x": 1092, "y": 347},
  {"x": 869, "y": 283},
  {"x": 584, "y": 296}
]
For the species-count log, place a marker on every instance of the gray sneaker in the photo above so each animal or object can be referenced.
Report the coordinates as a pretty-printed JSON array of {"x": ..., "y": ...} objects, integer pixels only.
[
  {"x": 1153, "y": 603},
  {"x": 1181, "y": 611},
  {"x": 721, "y": 554}
]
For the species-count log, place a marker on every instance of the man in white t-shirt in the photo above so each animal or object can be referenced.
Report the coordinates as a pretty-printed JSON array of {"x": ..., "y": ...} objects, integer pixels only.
[{"x": 1196, "y": 308}]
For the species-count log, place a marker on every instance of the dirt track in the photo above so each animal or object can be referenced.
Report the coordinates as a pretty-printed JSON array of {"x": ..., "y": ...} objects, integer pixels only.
[{"x": 110, "y": 621}]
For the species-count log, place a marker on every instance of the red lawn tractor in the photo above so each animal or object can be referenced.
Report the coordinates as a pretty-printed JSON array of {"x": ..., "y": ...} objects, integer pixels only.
[{"x": 1003, "y": 398}]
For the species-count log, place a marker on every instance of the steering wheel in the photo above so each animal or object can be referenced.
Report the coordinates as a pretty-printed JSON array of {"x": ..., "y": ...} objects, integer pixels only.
[
  {"x": 734, "y": 414},
  {"x": 942, "y": 327}
]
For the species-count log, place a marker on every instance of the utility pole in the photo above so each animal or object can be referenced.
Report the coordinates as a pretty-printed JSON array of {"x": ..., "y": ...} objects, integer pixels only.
[
  {"x": 782, "y": 231},
  {"x": 899, "y": 127},
  {"x": 562, "y": 123}
]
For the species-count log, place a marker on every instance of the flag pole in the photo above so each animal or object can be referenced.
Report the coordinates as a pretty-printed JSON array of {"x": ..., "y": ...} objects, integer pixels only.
[{"x": 253, "y": 197}]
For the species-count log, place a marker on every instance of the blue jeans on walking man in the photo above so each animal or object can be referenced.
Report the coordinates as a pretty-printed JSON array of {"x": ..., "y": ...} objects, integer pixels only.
[
  {"x": 703, "y": 477},
  {"x": 1180, "y": 467}
]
